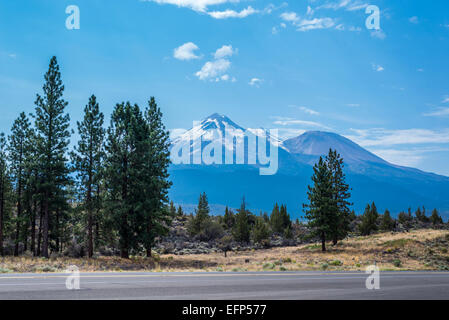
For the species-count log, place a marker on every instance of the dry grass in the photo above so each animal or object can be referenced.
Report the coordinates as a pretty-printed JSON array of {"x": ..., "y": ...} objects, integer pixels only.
[{"x": 416, "y": 250}]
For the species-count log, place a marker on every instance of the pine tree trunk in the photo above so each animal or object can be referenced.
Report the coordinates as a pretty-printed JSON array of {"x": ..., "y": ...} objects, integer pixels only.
[
  {"x": 149, "y": 252},
  {"x": 90, "y": 222},
  {"x": 33, "y": 229},
  {"x": 124, "y": 253},
  {"x": 39, "y": 236},
  {"x": 45, "y": 225},
  {"x": 19, "y": 215},
  {"x": 57, "y": 231},
  {"x": 323, "y": 242}
]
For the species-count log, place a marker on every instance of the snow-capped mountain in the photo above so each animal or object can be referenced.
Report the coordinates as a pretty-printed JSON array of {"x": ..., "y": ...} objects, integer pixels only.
[{"x": 372, "y": 179}]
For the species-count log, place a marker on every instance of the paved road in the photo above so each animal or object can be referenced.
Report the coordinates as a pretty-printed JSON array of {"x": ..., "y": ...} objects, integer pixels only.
[{"x": 202, "y": 286}]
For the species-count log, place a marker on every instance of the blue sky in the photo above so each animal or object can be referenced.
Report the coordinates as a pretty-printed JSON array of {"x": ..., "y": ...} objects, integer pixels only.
[{"x": 296, "y": 65}]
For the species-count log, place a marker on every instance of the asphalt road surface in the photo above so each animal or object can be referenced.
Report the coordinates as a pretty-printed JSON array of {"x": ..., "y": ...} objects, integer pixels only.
[{"x": 217, "y": 286}]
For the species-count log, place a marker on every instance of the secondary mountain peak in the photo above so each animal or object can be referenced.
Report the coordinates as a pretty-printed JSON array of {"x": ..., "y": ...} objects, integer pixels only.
[{"x": 318, "y": 143}]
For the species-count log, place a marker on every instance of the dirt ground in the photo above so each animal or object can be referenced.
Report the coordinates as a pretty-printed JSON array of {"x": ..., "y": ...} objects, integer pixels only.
[{"x": 415, "y": 250}]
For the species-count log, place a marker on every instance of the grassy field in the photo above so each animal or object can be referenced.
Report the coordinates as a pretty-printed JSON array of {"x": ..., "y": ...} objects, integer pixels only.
[{"x": 416, "y": 250}]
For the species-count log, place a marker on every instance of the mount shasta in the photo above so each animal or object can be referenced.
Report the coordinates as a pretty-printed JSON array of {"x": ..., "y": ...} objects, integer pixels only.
[{"x": 371, "y": 178}]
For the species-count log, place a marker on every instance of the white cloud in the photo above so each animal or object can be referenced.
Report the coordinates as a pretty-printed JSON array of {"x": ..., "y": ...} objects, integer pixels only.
[
  {"x": 197, "y": 5},
  {"x": 446, "y": 100},
  {"x": 232, "y": 13},
  {"x": 420, "y": 70},
  {"x": 340, "y": 27},
  {"x": 283, "y": 121},
  {"x": 309, "y": 111},
  {"x": 316, "y": 23},
  {"x": 348, "y": 5},
  {"x": 186, "y": 51},
  {"x": 377, "y": 67},
  {"x": 223, "y": 52},
  {"x": 414, "y": 20},
  {"x": 287, "y": 133},
  {"x": 202, "y": 6},
  {"x": 255, "y": 82},
  {"x": 213, "y": 69},
  {"x": 289, "y": 16},
  {"x": 409, "y": 158},
  {"x": 310, "y": 11},
  {"x": 440, "y": 112},
  {"x": 384, "y": 137},
  {"x": 353, "y": 105}
]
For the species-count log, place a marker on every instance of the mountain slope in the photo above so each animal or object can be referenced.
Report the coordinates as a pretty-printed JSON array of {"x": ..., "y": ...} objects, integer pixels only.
[{"x": 371, "y": 178}]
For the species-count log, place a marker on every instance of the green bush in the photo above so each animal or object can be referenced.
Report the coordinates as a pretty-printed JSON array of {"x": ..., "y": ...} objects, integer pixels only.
[
  {"x": 5, "y": 270},
  {"x": 336, "y": 263},
  {"x": 269, "y": 266},
  {"x": 397, "y": 263},
  {"x": 324, "y": 266}
]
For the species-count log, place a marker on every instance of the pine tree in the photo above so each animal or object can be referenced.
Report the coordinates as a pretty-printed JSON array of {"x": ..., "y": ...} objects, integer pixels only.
[
  {"x": 52, "y": 126},
  {"x": 421, "y": 215},
  {"x": 17, "y": 151},
  {"x": 180, "y": 213},
  {"x": 388, "y": 222},
  {"x": 87, "y": 157},
  {"x": 126, "y": 174},
  {"x": 369, "y": 220},
  {"x": 341, "y": 195},
  {"x": 5, "y": 189},
  {"x": 286, "y": 221},
  {"x": 260, "y": 233},
  {"x": 228, "y": 218},
  {"x": 241, "y": 229},
  {"x": 32, "y": 195},
  {"x": 320, "y": 209},
  {"x": 172, "y": 209},
  {"x": 157, "y": 183},
  {"x": 198, "y": 222},
  {"x": 435, "y": 218},
  {"x": 276, "y": 221}
]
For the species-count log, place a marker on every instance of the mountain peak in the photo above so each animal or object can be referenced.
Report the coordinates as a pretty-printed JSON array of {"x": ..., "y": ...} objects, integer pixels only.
[
  {"x": 318, "y": 143},
  {"x": 219, "y": 121}
]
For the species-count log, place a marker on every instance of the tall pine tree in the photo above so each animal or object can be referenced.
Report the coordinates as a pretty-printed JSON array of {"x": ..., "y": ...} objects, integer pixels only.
[
  {"x": 5, "y": 189},
  {"x": 320, "y": 209},
  {"x": 87, "y": 157},
  {"x": 52, "y": 126},
  {"x": 157, "y": 155},
  {"x": 341, "y": 194},
  {"x": 18, "y": 151}
]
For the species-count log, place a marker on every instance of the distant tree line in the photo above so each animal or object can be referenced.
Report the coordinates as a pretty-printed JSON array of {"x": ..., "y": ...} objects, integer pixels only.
[
  {"x": 242, "y": 226},
  {"x": 110, "y": 190}
]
